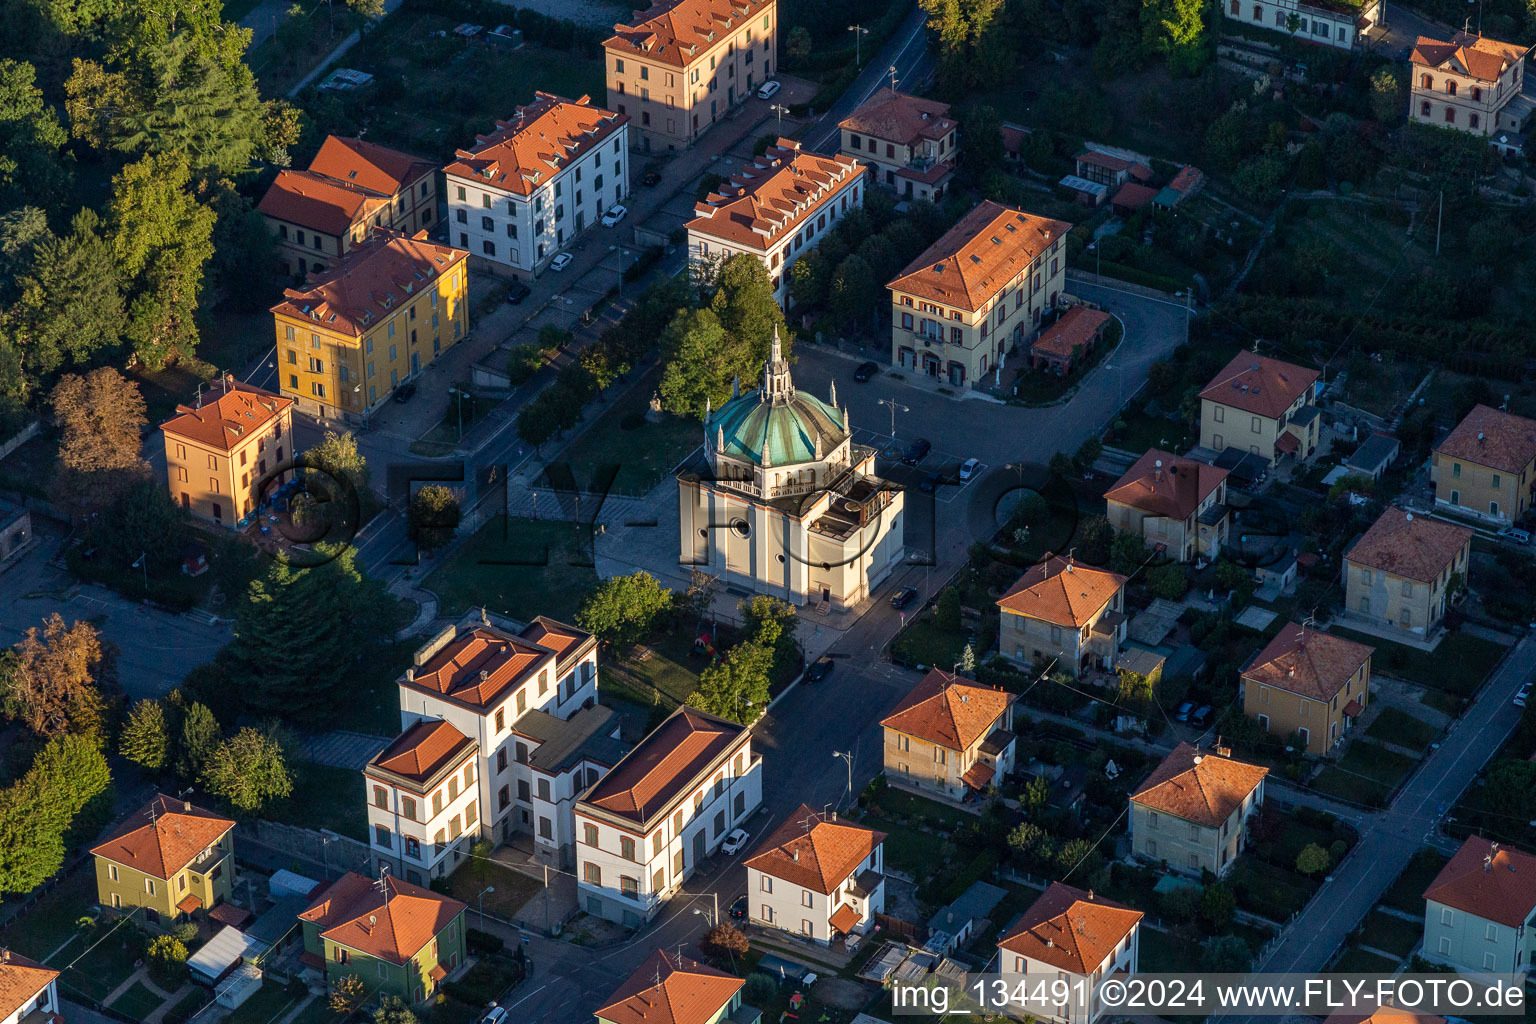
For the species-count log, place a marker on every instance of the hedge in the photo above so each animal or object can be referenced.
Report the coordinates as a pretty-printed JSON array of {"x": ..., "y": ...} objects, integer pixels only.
[{"x": 1146, "y": 279}]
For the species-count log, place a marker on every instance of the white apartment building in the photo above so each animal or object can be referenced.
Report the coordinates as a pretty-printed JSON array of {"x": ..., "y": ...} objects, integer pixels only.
[
  {"x": 525, "y": 190},
  {"x": 29, "y": 991},
  {"x": 1077, "y": 937},
  {"x": 666, "y": 806},
  {"x": 775, "y": 208},
  {"x": 1325, "y": 22},
  {"x": 817, "y": 877},
  {"x": 423, "y": 800},
  {"x": 1480, "y": 911}
]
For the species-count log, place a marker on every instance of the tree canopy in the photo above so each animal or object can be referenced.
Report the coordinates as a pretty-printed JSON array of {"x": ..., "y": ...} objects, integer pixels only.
[
  {"x": 248, "y": 770},
  {"x": 101, "y": 419},
  {"x": 624, "y": 609},
  {"x": 54, "y": 683}
]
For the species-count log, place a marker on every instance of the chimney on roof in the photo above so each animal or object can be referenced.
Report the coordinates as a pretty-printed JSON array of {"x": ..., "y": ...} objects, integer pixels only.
[
  {"x": 1487, "y": 863},
  {"x": 410, "y": 674},
  {"x": 484, "y": 675},
  {"x": 1090, "y": 895},
  {"x": 186, "y": 805},
  {"x": 794, "y": 855}
]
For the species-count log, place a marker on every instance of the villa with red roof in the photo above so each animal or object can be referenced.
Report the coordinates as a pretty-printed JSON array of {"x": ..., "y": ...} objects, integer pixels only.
[
  {"x": 1480, "y": 911},
  {"x": 949, "y": 737},
  {"x": 666, "y": 806},
  {"x": 1400, "y": 573},
  {"x": 1191, "y": 813},
  {"x": 29, "y": 991},
  {"x": 909, "y": 143},
  {"x": 1471, "y": 83},
  {"x": 1176, "y": 506},
  {"x": 1261, "y": 406},
  {"x": 171, "y": 858},
  {"x": 219, "y": 450},
  {"x": 1486, "y": 467},
  {"x": 669, "y": 988},
  {"x": 1076, "y": 936},
  {"x": 817, "y": 877},
  {"x": 1063, "y": 611}
]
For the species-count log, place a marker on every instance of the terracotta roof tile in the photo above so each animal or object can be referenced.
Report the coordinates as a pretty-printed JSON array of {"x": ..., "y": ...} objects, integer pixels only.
[
  {"x": 1259, "y": 384},
  {"x": 1070, "y": 929},
  {"x": 227, "y": 418},
  {"x": 1200, "y": 787},
  {"x": 190, "y": 902},
  {"x": 374, "y": 279},
  {"x": 773, "y": 195},
  {"x": 20, "y": 980},
  {"x": 369, "y": 165},
  {"x": 523, "y": 154},
  {"x": 1163, "y": 484},
  {"x": 682, "y": 32},
  {"x": 893, "y": 116},
  {"x": 163, "y": 837},
  {"x": 1481, "y": 58},
  {"x": 814, "y": 851},
  {"x": 479, "y": 666},
  {"x": 978, "y": 775},
  {"x": 1415, "y": 547},
  {"x": 1062, "y": 592},
  {"x": 318, "y": 202},
  {"x": 844, "y": 919},
  {"x": 979, "y": 256},
  {"x": 556, "y": 635},
  {"x": 671, "y": 989},
  {"x": 664, "y": 764},
  {"x": 1307, "y": 662},
  {"x": 1133, "y": 196},
  {"x": 1188, "y": 180},
  {"x": 393, "y": 921},
  {"x": 1074, "y": 329},
  {"x": 1492, "y": 438},
  {"x": 423, "y": 750},
  {"x": 1493, "y": 881},
  {"x": 949, "y": 711},
  {"x": 1385, "y": 1015}
]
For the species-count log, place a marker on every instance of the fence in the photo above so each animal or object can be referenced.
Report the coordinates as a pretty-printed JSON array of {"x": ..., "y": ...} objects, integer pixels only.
[
  {"x": 270, "y": 845},
  {"x": 896, "y": 926}
]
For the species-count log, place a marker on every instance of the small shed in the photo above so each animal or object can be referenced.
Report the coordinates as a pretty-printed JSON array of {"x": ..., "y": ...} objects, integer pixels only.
[
  {"x": 1374, "y": 455},
  {"x": 221, "y": 954},
  {"x": 284, "y": 883},
  {"x": 1132, "y": 197},
  {"x": 241, "y": 983},
  {"x": 954, "y": 925}
]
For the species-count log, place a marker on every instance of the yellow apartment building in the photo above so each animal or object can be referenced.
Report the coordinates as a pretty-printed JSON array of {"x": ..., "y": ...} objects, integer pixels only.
[
  {"x": 684, "y": 65},
  {"x": 349, "y": 337},
  {"x": 171, "y": 858},
  {"x": 1262, "y": 406},
  {"x": 1486, "y": 467},
  {"x": 949, "y": 736},
  {"x": 1310, "y": 683},
  {"x": 1063, "y": 611},
  {"x": 219, "y": 451},
  {"x": 1191, "y": 813},
  {"x": 1399, "y": 573}
]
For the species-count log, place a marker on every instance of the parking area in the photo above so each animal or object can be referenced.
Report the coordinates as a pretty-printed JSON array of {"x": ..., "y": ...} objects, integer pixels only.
[{"x": 949, "y": 487}]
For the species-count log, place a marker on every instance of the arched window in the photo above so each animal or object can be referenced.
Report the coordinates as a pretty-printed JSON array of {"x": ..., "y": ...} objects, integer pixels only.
[
  {"x": 1450, "y": 88},
  {"x": 1472, "y": 120},
  {"x": 1450, "y": 115},
  {"x": 1429, "y": 82},
  {"x": 1477, "y": 94}
]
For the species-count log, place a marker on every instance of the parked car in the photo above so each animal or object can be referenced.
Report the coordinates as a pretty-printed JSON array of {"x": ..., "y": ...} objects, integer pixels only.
[
  {"x": 1202, "y": 714},
  {"x": 1516, "y": 534},
  {"x": 734, "y": 842},
  {"x": 516, "y": 292},
  {"x": 404, "y": 392},
  {"x": 651, "y": 179},
  {"x": 917, "y": 451},
  {"x": 968, "y": 468},
  {"x": 820, "y": 669},
  {"x": 903, "y": 597},
  {"x": 613, "y": 215},
  {"x": 866, "y": 371},
  {"x": 1184, "y": 711},
  {"x": 768, "y": 90},
  {"x": 561, "y": 261},
  {"x": 495, "y": 1015},
  {"x": 738, "y": 909},
  {"x": 1523, "y": 696},
  {"x": 931, "y": 482}
]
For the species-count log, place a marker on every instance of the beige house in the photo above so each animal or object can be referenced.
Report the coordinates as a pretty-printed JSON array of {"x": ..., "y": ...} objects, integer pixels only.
[
  {"x": 817, "y": 877},
  {"x": 219, "y": 452},
  {"x": 977, "y": 293},
  {"x": 686, "y": 64},
  {"x": 1177, "y": 506},
  {"x": 1469, "y": 84},
  {"x": 1399, "y": 572},
  {"x": 669, "y": 988},
  {"x": 1486, "y": 467},
  {"x": 1064, "y": 611},
  {"x": 1261, "y": 406},
  {"x": 1073, "y": 936},
  {"x": 1191, "y": 813},
  {"x": 1480, "y": 911},
  {"x": 949, "y": 737},
  {"x": 1309, "y": 683},
  {"x": 909, "y": 144}
]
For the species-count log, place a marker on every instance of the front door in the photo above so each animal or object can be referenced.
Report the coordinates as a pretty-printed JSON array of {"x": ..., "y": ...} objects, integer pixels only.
[
  {"x": 698, "y": 846},
  {"x": 415, "y": 362}
]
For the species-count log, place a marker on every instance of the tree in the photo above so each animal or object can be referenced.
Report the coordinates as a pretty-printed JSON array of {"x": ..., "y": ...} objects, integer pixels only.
[
  {"x": 852, "y": 291},
  {"x": 624, "y": 609},
  {"x": 1217, "y": 905},
  {"x": 1127, "y": 553},
  {"x": 1312, "y": 859},
  {"x": 337, "y": 457},
  {"x": 434, "y": 516},
  {"x": 724, "y": 941},
  {"x": 1176, "y": 29},
  {"x": 745, "y": 304},
  {"x": 1032, "y": 510},
  {"x": 347, "y": 994},
  {"x": 101, "y": 418},
  {"x": 701, "y": 363},
  {"x": 144, "y": 521},
  {"x": 1031, "y": 843},
  {"x": 1511, "y": 788},
  {"x": 200, "y": 737},
  {"x": 248, "y": 770},
  {"x": 393, "y": 1010},
  {"x": 981, "y": 141},
  {"x": 1088, "y": 453},
  {"x": 1061, "y": 465},
  {"x": 1181, "y": 903},
  {"x": 797, "y": 45},
  {"x": 70, "y": 310},
  {"x": 1225, "y": 954},
  {"x": 772, "y": 622},
  {"x": 946, "y": 611},
  {"x": 166, "y": 957},
  {"x": 738, "y": 687},
  {"x": 32, "y": 140},
  {"x": 53, "y": 685},
  {"x": 66, "y": 776},
  {"x": 523, "y": 362},
  {"x": 972, "y": 41},
  {"x": 1036, "y": 792},
  {"x": 968, "y": 660},
  {"x": 1169, "y": 581},
  {"x": 144, "y": 740},
  {"x": 1387, "y": 98}
]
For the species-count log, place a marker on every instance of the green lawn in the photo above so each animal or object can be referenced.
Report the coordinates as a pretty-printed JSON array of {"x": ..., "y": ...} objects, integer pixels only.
[
  {"x": 919, "y": 810},
  {"x": 373, "y": 704},
  {"x": 909, "y": 850},
  {"x": 1341, "y": 784},
  {"x": 138, "y": 1002},
  {"x": 1394, "y": 725},
  {"x": 1159, "y": 952},
  {"x": 270, "y": 1002},
  {"x": 1268, "y": 890},
  {"x": 513, "y": 888},
  {"x": 1377, "y": 762},
  {"x": 105, "y": 967},
  {"x": 189, "y": 1005},
  {"x": 1142, "y": 432},
  {"x": 324, "y": 797},
  {"x": 643, "y": 453},
  {"x": 1458, "y": 665},
  {"x": 52, "y": 920},
  {"x": 925, "y": 642},
  {"x": 317, "y": 1012},
  {"x": 1391, "y": 933},
  {"x": 1407, "y": 892},
  {"x": 519, "y": 567},
  {"x": 1358, "y": 961}
]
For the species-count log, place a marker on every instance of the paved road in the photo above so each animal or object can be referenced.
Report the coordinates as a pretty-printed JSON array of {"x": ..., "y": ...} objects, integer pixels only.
[{"x": 906, "y": 51}]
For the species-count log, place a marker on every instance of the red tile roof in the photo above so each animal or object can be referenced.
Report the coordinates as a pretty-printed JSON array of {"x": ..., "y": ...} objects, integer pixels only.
[
  {"x": 360, "y": 292},
  {"x": 773, "y": 195},
  {"x": 317, "y": 202},
  {"x": 1287, "y": 443},
  {"x": 1415, "y": 547},
  {"x": 893, "y": 116},
  {"x": 1070, "y": 929},
  {"x": 229, "y": 417},
  {"x": 369, "y": 165},
  {"x": 978, "y": 775},
  {"x": 1133, "y": 196},
  {"x": 1188, "y": 180},
  {"x": 1492, "y": 438},
  {"x": 815, "y": 851},
  {"x": 190, "y": 902},
  {"x": 164, "y": 836},
  {"x": 949, "y": 711},
  {"x": 684, "y": 31},
  {"x": 1481, "y": 58},
  {"x": 1062, "y": 591},
  {"x": 393, "y": 920},
  {"x": 556, "y": 635},
  {"x": 1163, "y": 484},
  {"x": 1385, "y": 1015},
  {"x": 671, "y": 989},
  {"x": 1013, "y": 138},
  {"x": 1488, "y": 879},
  {"x": 541, "y": 139},
  {"x": 980, "y": 256},
  {"x": 479, "y": 667},
  {"x": 844, "y": 919},
  {"x": 228, "y": 913},
  {"x": 423, "y": 750},
  {"x": 663, "y": 767},
  {"x": 20, "y": 980},
  {"x": 1072, "y": 332},
  {"x": 1259, "y": 384},
  {"x": 1200, "y": 787},
  {"x": 1307, "y": 662}
]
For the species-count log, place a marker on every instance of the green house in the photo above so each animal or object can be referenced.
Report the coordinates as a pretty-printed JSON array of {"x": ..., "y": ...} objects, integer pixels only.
[{"x": 397, "y": 938}]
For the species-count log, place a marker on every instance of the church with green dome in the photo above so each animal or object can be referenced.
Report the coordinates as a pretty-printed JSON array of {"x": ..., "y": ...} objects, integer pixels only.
[{"x": 781, "y": 501}]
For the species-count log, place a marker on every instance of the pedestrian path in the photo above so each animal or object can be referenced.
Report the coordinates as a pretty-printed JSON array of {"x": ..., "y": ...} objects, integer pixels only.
[{"x": 341, "y": 749}]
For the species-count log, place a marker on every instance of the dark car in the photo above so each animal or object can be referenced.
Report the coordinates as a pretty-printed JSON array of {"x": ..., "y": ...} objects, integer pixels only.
[
  {"x": 1184, "y": 711},
  {"x": 931, "y": 482},
  {"x": 903, "y": 597},
  {"x": 517, "y": 292},
  {"x": 651, "y": 179},
  {"x": 405, "y": 392},
  {"x": 1202, "y": 714},
  {"x": 866, "y": 371},
  {"x": 917, "y": 451},
  {"x": 739, "y": 908},
  {"x": 819, "y": 670}
]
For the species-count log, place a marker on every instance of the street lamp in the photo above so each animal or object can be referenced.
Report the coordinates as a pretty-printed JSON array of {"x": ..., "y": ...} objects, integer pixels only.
[
  {"x": 458, "y": 394},
  {"x": 481, "y": 898},
  {"x": 894, "y": 406},
  {"x": 859, "y": 32},
  {"x": 847, "y": 757},
  {"x": 781, "y": 110},
  {"x": 1098, "y": 260},
  {"x": 143, "y": 563},
  {"x": 716, "y": 897},
  {"x": 710, "y": 920}
]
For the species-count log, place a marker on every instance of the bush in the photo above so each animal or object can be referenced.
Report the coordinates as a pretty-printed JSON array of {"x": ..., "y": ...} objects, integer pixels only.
[
  {"x": 523, "y": 362},
  {"x": 167, "y": 961},
  {"x": 480, "y": 942}
]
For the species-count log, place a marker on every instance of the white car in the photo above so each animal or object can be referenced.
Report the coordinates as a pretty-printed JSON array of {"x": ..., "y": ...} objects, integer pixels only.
[
  {"x": 734, "y": 842},
  {"x": 613, "y": 216},
  {"x": 968, "y": 468},
  {"x": 561, "y": 261},
  {"x": 1523, "y": 696},
  {"x": 768, "y": 90},
  {"x": 1516, "y": 534},
  {"x": 495, "y": 1015}
]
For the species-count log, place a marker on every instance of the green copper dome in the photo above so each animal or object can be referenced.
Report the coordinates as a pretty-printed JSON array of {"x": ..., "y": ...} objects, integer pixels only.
[{"x": 791, "y": 426}]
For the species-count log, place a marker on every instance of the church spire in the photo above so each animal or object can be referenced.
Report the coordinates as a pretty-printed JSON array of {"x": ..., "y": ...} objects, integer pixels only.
[
  {"x": 766, "y": 460},
  {"x": 720, "y": 438},
  {"x": 777, "y": 385},
  {"x": 833, "y": 402}
]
